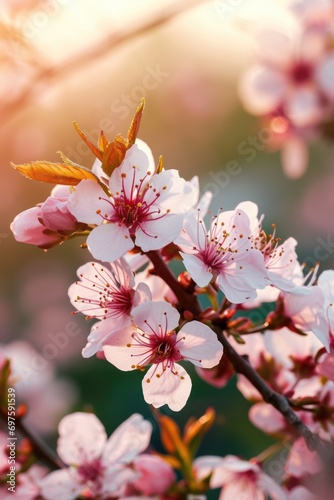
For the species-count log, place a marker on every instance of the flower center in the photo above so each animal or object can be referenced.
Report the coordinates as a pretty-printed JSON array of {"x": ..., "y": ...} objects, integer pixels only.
[
  {"x": 301, "y": 72},
  {"x": 91, "y": 471}
]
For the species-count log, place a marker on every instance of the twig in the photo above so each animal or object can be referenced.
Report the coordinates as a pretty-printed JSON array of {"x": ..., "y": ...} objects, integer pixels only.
[
  {"x": 186, "y": 300},
  {"x": 242, "y": 366},
  {"x": 92, "y": 54}
]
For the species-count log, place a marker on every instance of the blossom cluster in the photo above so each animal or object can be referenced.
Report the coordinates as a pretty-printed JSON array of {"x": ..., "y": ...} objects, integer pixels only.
[
  {"x": 290, "y": 87},
  {"x": 137, "y": 218}
]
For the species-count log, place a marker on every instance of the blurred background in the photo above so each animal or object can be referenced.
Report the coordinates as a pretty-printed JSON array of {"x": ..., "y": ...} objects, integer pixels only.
[{"x": 65, "y": 60}]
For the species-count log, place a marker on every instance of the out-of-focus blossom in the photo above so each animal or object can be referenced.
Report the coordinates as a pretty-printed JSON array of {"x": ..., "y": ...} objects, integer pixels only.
[
  {"x": 238, "y": 478},
  {"x": 98, "y": 467},
  {"x": 34, "y": 379},
  {"x": 290, "y": 87},
  {"x": 153, "y": 340}
]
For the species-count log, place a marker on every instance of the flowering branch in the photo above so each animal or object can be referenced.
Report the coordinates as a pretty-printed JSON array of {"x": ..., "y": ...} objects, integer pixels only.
[{"x": 242, "y": 366}]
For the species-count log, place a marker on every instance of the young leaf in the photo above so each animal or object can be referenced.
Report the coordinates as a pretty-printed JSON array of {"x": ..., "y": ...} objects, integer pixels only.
[{"x": 55, "y": 173}]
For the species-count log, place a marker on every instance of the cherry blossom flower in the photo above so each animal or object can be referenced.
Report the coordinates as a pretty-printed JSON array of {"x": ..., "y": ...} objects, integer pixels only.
[
  {"x": 290, "y": 86},
  {"x": 224, "y": 253},
  {"x": 153, "y": 340},
  {"x": 98, "y": 467},
  {"x": 238, "y": 478},
  {"x": 108, "y": 294},
  {"x": 281, "y": 261},
  {"x": 145, "y": 208}
]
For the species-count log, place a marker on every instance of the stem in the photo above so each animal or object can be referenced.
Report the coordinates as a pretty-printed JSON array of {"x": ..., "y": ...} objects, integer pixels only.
[
  {"x": 242, "y": 366},
  {"x": 186, "y": 300}
]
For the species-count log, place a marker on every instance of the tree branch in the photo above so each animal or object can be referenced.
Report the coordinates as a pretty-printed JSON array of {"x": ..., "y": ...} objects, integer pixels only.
[
  {"x": 186, "y": 300},
  {"x": 242, "y": 366},
  {"x": 94, "y": 53}
]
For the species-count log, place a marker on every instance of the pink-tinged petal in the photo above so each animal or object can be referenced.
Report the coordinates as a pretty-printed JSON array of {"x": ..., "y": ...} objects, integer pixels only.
[
  {"x": 57, "y": 217},
  {"x": 240, "y": 278},
  {"x": 193, "y": 234},
  {"x": 313, "y": 13},
  {"x": 301, "y": 493},
  {"x": 302, "y": 461},
  {"x": 81, "y": 438},
  {"x": 262, "y": 90},
  {"x": 197, "y": 269},
  {"x": 267, "y": 418},
  {"x": 303, "y": 107},
  {"x": 138, "y": 156},
  {"x": 325, "y": 75},
  {"x": 128, "y": 440},
  {"x": 116, "y": 480},
  {"x": 109, "y": 242},
  {"x": 203, "y": 466},
  {"x": 326, "y": 367},
  {"x": 294, "y": 157},
  {"x": 60, "y": 484},
  {"x": 176, "y": 194},
  {"x": 120, "y": 351},
  {"x": 307, "y": 313},
  {"x": 100, "y": 333},
  {"x": 251, "y": 210},
  {"x": 155, "y": 234},
  {"x": 199, "y": 344},
  {"x": 326, "y": 283},
  {"x": 61, "y": 191},
  {"x": 27, "y": 229},
  {"x": 156, "y": 475},
  {"x": 84, "y": 202},
  {"x": 158, "y": 315},
  {"x": 276, "y": 49},
  {"x": 170, "y": 387}
]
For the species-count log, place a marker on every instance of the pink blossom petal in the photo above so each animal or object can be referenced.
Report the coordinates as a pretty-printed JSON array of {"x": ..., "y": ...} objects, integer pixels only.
[
  {"x": 100, "y": 333},
  {"x": 262, "y": 90},
  {"x": 157, "y": 314},
  {"x": 120, "y": 351},
  {"x": 128, "y": 440},
  {"x": 115, "y": 481},
  {"x": 60, "y": 484},
  {"x": 197, "y": 269},
  {"x": 84, "y": 202},
  {"x": 138, "y": 156},
  {"x": 199, "y": 344},
  {"x": 109, "y": 242},
  {"x": 81, "y": 438},
  {"x": 326, "y": 367},
  {"x": 267, "y": 418},
  {"x": 156, "y": 475},
  {"x": 325, "y": 75},
  {"x": 154, "y": 234},
  {"x": 27, "y": 229},
  {"x": 302, "y": 461},
  {"x": 294, "y": 157},
  {"x": 303, "y": 107},
  {"x": 171, "y": 387},
  {"x": 240, "y": 278},
  {"x": 176, "y": 194}
]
